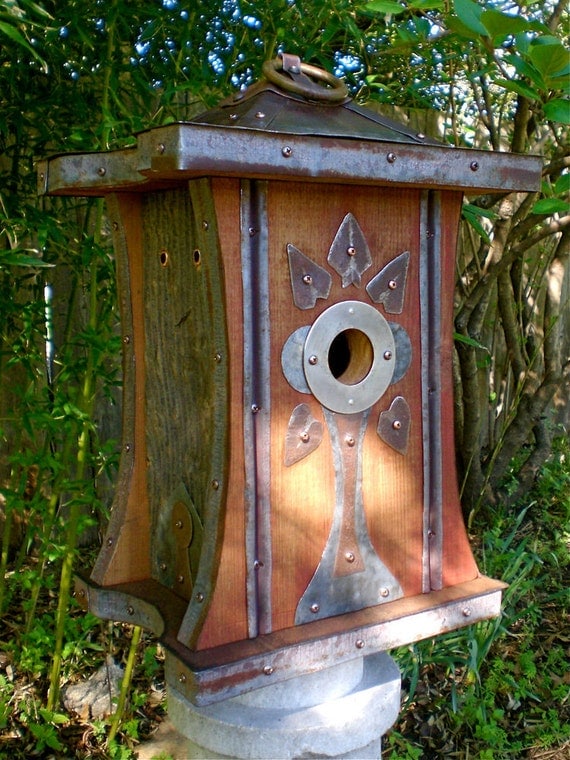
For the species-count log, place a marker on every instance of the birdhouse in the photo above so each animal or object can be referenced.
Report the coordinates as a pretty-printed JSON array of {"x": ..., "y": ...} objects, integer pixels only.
[{"x": 287, "y": 496}]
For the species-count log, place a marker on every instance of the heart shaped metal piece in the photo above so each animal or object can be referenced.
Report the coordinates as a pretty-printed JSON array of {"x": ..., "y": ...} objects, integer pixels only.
[
  {"x": 394, "y": 425},
  {"x": 304, "y": 434}
]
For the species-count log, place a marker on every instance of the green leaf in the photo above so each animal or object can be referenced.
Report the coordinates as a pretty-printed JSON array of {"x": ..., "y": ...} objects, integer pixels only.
[
  {"x": 549, "y": 206},
  {"x": 472, "y": 215},
  {"x": 15, "y": 259},
  {"x": 426, "y": 5},
  {"x": 502, "y": 24},
  {"x": 562, "y": 184},
  {"x": 525, "y": 69},
  {"x": 478, "y": 211},
  {"x": 16, "y": 36},
  {"x": 549, "y": 56},
  {"x": 519, "y": 87},
  {"x": 558, "y": 110},
  {"x": 469, "y": 341},
  {"x": 469, "y": 13},
  {"x": 387, "y": 7}
]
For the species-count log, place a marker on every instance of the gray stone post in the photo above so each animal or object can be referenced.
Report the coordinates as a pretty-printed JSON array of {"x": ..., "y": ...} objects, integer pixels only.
[{"x": 338, "y": 712}]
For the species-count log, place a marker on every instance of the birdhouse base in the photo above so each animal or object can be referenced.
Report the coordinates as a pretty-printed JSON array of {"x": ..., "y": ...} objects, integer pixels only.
[{"x": 338, "y": 712}]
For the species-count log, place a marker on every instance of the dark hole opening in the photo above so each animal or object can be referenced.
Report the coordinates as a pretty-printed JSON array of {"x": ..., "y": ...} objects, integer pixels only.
[{"x": 350, "y": 356}]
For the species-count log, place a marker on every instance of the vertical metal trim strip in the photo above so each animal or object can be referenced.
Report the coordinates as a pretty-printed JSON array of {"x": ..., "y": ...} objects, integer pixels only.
[
  {"x": 257, "y": 401},
  {"x": 425, "y": 349},
  {"x": 430, "y": 309}
]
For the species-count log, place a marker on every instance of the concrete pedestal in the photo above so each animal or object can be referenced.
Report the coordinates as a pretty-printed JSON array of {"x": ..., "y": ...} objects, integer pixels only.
[{"x": 339, "y": 712}]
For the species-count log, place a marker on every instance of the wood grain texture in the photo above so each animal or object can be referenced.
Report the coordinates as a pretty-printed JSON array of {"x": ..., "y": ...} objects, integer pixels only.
[
  {"x": 458, "y": 564},
  {"x": 303, "y": 496},
  {"x": 125, "y": 554},
  {"x": 227, "y": 617}
]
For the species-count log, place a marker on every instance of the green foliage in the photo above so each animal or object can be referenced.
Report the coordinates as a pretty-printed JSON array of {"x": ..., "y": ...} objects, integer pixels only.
[{"x": 500, "y": 687}]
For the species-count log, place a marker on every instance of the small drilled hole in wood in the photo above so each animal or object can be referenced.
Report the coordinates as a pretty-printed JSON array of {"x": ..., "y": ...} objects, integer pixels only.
[
  {"x": 164, "y": 258},
  {"x": 197, "y": 256}
]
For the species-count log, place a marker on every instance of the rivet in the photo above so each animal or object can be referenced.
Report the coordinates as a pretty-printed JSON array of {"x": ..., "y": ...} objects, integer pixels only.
[
  {"x": 313, "y": 360},
  {"x": 255, "y": 409},
  {"x": 351, "y": 250},
  {"x": 349, "y": 557},
  {"x": 233, "y": 116},
  {"x": 390, "y": 158},
  {"x": 392, "y": 284},
  {"x": 160, "y": 148},
  {"x": 180, "y": 579},
  {"x": 182, "y": 678},
  {"x": 101, "y": 171},
  {"x": 81, "y": 593},
  {"x": 287, "y": 152},
  {"x": 294, "y": 69},
  {"x": 474, "y": 165},
  {"x": 315, "y": 608},
  {"x": 163, "y": 566},
  {"x": 200, "y": 597},
  {"x": 349, "y": 440},
  {"x": 257, "y": 564},
  {"x": 179, "y": 524},
  {"x": 205, "y": 225},
  {"x": 421, "y": 136},
  {"x": 109, "y": 542},
  {"x": 127, "y": 447},
  {"x": 305, "y": 437},
  {"x": 350, "y": 401},
  {"x": 431, "y": 533},
  {"x": 260, "y": 115},
  {"x": 387, "y": 355},
  {"x": 115, "y": 226},
  {"x": 384, "y": 592},
  {"x": 42, "y": 176},
  {"x": 217, "y": 358},
  {"x": 130, "y": 610},
  {"x": 467, "y": 612},
  {"x": 359, "y": 644},
  {"x": 307, "y": 279},
  {"x": 251, "y": 231},
  {"x": 127, "y": 340},
  {"x": 267, "y": 670},
  {"x": 215, "y": 484},
  {"x": 397, "y": 425}
]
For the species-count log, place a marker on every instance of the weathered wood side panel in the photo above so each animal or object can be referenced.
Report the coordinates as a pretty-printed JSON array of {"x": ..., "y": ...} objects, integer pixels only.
[
  {"x": 125, "y": 554},
  {"x": 227, "y": 617}
]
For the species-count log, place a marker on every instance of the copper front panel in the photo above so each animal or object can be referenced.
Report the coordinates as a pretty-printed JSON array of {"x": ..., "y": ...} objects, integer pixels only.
[{"x": 303, "y": 495}]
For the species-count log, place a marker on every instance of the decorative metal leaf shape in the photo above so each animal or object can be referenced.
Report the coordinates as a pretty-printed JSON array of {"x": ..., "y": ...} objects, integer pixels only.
[
  {"x": 349, "y": 254},
  {"x": 394, "y": 425},
  {"x": 309, "y": 281},
  {"x": 388, "y": 287},
  {"x": 304, "y": 435}
]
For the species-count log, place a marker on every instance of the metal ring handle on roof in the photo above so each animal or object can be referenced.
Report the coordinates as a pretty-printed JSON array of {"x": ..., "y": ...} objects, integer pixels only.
[{"x": 336, "y": 92}]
